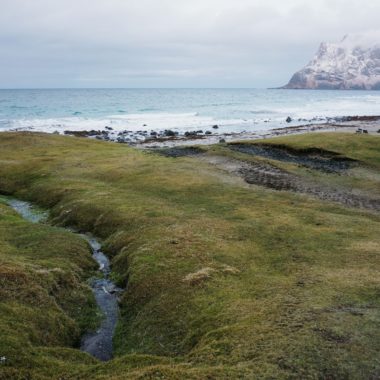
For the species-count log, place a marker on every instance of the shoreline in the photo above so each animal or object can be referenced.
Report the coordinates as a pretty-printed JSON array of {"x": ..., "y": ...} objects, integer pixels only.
[
  {"x": 168, "y": 138},
  {"x": 350, "y": 124}
]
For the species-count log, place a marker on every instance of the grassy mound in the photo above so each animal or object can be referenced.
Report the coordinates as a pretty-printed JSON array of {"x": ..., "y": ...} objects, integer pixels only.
[{"x": 224, "y": 280}]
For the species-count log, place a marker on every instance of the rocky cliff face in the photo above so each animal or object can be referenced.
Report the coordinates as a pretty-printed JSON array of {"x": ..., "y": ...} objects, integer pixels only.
[{"x": 351, "y": 64}]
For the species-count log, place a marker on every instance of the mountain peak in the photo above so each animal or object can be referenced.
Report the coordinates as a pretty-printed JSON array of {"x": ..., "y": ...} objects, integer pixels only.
[{"x": 352, "y": 63}]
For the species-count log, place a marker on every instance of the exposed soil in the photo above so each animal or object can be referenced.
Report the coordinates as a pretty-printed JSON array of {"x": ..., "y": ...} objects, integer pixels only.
[
  {"x": 317, "y": 159},
  {"x": 267, "y": 175},
  {"x": 278, "y": 179},
  {"x": 179, "y": 151},
  {"x": 270, "y": 176}
]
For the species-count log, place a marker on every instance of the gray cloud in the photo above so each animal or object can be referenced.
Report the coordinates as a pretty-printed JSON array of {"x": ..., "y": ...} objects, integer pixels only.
[{"x": 180, "y": 43}]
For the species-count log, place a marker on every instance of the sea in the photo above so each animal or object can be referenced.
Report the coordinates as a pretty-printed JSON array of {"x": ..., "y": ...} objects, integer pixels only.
[{"x": 181, "y": 110}]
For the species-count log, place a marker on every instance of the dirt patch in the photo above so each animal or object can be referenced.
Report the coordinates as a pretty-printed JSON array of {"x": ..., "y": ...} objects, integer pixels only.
[
  {"x": 264, "y": 174},
  {"x": 269, "y": 176},
  {"x": 179, "y": 152},
  {"x": 313, "y": 158},
  {"x": 332, "y": 336},
  {"x": 275, "y": 178}
]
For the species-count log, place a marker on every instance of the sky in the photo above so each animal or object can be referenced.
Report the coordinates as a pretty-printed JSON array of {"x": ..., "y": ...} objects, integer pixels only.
[{"x": 169, "y": 43}]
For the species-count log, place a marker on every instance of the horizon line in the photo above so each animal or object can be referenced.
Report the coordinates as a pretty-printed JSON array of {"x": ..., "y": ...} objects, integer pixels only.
[{"x": 134, "y": 88}]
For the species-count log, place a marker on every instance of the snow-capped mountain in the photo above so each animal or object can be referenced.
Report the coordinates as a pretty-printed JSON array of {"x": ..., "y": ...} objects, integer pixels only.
[{"x": 351, "y": 64}]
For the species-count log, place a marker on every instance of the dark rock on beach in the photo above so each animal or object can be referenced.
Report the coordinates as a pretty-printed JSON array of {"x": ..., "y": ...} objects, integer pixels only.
[
  {"x": 83, "y": 133},
  {"x": 169, "y": 133}
]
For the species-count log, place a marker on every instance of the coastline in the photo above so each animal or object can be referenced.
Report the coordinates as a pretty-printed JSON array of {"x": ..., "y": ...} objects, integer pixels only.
[
  {"x": 167, "y": 138},
  {"x": 357, "y": 126}
]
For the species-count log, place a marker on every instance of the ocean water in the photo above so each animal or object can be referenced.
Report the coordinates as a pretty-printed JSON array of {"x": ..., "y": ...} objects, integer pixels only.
[{"x": 233, "y": 110}]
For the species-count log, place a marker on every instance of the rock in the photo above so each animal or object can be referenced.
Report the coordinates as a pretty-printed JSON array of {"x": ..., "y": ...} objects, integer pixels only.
[
  {"x": 83, "y": 133},
  {"x": 289, "y": 119},
  {"x": 360, "y": 130},
  {"x": 112, "y": 289},
  {"x": 215, "y": 126},
  {"x": 169, "y": 133},
  {"x": 208, "y": 133},
  {"x": 190, "y": 134},
  {"x": 94, "y": 133},
  {"x": 221, "y": 141}
]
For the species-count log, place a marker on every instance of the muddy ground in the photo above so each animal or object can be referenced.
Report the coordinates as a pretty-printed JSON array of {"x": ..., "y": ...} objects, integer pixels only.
[
  {"x": 312, "y": 158},
  {"x": 269, "y": 175}
]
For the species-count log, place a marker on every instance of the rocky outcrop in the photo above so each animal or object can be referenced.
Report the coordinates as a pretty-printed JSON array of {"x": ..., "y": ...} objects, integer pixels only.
[{"x": 351, "y": 64}]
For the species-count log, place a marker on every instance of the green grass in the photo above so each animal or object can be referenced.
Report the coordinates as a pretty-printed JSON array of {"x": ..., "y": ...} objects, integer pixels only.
[
  {"x": 44, "y": 299},
  {"x": 224, "y": 281}
]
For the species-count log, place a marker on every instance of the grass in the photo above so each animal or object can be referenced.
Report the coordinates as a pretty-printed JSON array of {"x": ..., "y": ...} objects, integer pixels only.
[
  {"x": 44, "y": 299},
  {"x": 364, "y": 149},
  {"x": 224, "y": 281}
]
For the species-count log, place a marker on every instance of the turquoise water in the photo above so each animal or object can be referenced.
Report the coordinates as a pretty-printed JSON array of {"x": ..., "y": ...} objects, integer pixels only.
[{"x": 234, "y": 110}]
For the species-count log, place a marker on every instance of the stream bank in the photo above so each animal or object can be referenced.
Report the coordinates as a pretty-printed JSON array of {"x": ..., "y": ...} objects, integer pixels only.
[{"x": 97, "y": 343}]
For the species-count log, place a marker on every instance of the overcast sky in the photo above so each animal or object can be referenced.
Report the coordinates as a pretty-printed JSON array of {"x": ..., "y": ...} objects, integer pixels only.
[{"x": 169, "y": 43}]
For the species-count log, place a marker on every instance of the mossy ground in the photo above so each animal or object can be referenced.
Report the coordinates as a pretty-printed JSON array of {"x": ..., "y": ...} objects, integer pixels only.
[{"x": 224, "y": 280}]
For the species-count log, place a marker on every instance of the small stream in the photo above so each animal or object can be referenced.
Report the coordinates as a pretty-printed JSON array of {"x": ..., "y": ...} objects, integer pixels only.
[{"x": 99, "y": 342}]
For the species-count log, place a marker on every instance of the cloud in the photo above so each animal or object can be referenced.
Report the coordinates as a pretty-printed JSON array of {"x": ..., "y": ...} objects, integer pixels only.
[{"x": 149, "y": 43}]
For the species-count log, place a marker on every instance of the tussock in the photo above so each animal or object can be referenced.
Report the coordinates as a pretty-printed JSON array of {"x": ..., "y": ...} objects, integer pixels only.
[{"x": 199, "y": 276}]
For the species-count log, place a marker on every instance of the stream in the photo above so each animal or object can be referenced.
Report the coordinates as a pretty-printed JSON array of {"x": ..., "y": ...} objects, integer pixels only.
[{"x": 97, "y": 343}]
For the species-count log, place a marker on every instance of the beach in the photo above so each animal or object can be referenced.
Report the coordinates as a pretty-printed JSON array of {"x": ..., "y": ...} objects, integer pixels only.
[
  {"x": 364, "y": 124},
  {"x": 169, "y": 138}
]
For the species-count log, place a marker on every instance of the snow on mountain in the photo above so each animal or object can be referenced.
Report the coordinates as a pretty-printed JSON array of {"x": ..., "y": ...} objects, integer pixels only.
[{"x": 351, "y": 64}]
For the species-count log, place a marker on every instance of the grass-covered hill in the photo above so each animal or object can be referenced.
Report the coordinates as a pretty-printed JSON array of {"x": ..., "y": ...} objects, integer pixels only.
[{"x": 226, "y": 277}]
